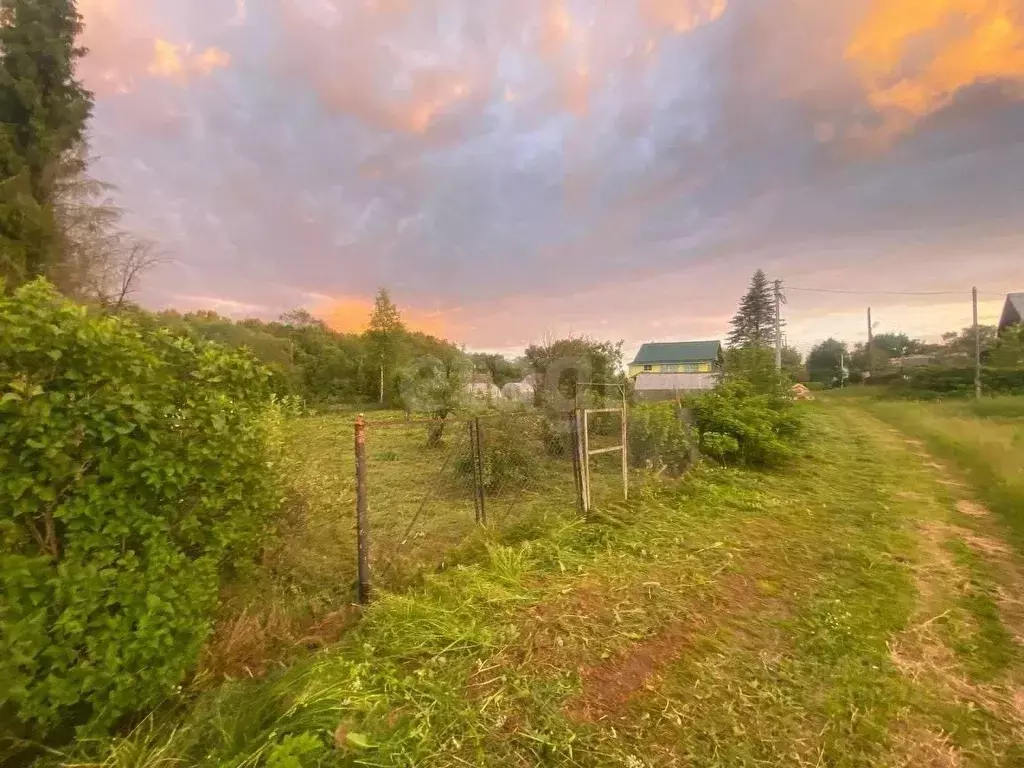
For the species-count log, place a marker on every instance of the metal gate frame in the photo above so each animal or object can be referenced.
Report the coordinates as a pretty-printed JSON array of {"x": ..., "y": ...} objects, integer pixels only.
[{"x": 582, "y": 423}]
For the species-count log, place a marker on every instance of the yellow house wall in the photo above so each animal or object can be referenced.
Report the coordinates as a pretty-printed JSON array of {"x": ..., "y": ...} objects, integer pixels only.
[{"x": 659, "y": 368}]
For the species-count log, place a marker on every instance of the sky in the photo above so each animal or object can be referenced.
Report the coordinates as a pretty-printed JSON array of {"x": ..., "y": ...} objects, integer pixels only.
[{"x": 515, "y": 170}]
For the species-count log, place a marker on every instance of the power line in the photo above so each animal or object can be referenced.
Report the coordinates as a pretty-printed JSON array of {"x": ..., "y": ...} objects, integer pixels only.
[{"x": 890, "y": 293}]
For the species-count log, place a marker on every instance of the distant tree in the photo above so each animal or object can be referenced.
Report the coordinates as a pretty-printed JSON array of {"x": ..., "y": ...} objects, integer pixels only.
[
  {"x": 560, "y": 366},
  {"x": 438, "y": 387},
  {"x": 755, "y": 365},
  {"x": 301, "y": 318},
  {"x": 754, "y": 323},
  {"x": 44, "y": 111},
  {"x": 793, "y": 364},
  {"x": 961, "y": 346},
  {"x": 501, "y": 369},
  {"x": 385, "y": 335},
  {"x": 897, "y": 344},
  {"x": 1008, "y": 351},
  {"x": 825, "y": 360}
]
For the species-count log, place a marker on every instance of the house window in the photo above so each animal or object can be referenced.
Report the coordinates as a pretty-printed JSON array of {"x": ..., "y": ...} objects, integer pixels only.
[
  {"x": 691, "y": 368},
  {"x": 648, "y": 368},
  {"x": 670, "y": 369}
]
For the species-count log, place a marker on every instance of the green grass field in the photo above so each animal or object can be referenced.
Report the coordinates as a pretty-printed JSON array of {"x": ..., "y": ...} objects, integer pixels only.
[
  {"x": 857, "y": 609},
  {"x": 984, "y": 438}
]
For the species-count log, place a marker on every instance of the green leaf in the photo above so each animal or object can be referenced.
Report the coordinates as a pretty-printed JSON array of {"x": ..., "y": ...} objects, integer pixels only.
[{"x": 357, "y": 740}]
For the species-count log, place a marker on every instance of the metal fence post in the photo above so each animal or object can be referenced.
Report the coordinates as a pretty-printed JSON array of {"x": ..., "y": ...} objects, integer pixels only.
[
  {"x": 362, "y": 518},
  {"x": 478, "y": 472}
]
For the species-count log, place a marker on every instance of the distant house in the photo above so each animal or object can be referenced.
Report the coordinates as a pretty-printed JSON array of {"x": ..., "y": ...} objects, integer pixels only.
[
  {"x": 520, "y": 391},
  {"x": 482, "y": 385},
  {"x": 1013, "y": 311},
  {"x": 914, "y": 361},
  {"x": 663, "y": 370}
]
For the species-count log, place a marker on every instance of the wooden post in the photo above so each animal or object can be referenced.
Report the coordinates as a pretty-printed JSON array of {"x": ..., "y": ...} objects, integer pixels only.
[
  {"x": 778, "y": 325},
  {"x": 977, "y": 347},
  {"x": 585, "y": 437},
  {"x": 625, "y": 447},
  {"x": 478, "y": 466},
  {"x": 577, "y": 474},
  {"x": 871, "y": 344},
  {"x": 362, "y": 518}
]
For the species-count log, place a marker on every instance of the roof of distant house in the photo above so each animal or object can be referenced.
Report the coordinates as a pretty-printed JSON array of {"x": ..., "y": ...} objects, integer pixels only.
[
  {"x": 678, "y": 352},
  {"x": 1013, "y": 312}
]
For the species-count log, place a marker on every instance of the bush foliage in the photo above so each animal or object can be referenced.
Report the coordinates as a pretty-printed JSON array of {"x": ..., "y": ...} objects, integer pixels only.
[
  {"x": 659, "y": 437},
  {"x": 739, "y": 425},
  {"x": 133, "y": 472},
  {"x": 959, "y": 382},
  {"x": 511, "y": 452}
]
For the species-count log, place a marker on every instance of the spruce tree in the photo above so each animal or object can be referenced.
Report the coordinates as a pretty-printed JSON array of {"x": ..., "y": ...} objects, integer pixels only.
[
  {"x": 44, "y": 112},
  {"x": 754, "y": 323}
]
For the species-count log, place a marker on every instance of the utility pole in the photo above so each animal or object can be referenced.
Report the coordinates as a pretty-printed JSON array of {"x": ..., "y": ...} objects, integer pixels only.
[
  {"x": 977, "y": 346},
  {"x": 778, "y": 325},
  {"x": 871, "y": 344}
]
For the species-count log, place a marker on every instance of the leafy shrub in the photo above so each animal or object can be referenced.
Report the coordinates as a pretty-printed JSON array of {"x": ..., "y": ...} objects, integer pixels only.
[
  {"x": 556, "y": 434},
  {"x": 720, "y": 446},
  {"x": 738, "y": 426},
  {"x": 133, "y": 472},
  {"x": 959, "y": 382},
  {"x": 659, "y": 437},
  {"x": 511, "y": 456}
]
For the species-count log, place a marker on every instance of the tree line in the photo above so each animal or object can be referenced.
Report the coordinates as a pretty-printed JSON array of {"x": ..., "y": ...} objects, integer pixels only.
[
  {"x": 752, "y": 341},
  {"x": 833, "y": 360}
]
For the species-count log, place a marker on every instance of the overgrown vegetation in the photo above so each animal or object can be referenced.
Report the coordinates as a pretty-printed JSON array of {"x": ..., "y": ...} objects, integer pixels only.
[
  {"x": 937, "y": 382},
  {"x": 510, "y": 451},
  {"x": 660, "y": 439},
  {"x": 738, "y": 425},
  {"x": 734, "y": 619},
  {"x": 134, "y": 473}
]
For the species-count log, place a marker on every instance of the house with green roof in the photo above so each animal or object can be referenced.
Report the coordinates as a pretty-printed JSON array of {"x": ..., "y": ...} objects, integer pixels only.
[
  {"x": 678, "y": 357},
  {"x": 663, "y": 370}
]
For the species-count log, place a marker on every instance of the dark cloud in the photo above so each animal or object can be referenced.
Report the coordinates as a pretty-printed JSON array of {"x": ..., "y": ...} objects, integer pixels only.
[{"x": 487, "y": 157}]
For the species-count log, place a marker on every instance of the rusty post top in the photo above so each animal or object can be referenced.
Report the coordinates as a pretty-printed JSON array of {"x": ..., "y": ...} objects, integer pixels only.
[{"x": 361, "y": 420}]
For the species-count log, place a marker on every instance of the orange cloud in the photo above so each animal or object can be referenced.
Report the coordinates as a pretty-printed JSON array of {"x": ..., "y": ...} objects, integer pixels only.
[
  {"x": 177, "y": 62},
  {"x": 125, "y": 47},
  {"x": 912, "y": 56},
  {"x": 319, "y": 47},
  {"x": 351, "y": 314}
]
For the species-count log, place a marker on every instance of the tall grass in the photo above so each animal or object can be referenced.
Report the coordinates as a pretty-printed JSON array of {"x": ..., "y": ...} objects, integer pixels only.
[{"x": 985, "y": 439}]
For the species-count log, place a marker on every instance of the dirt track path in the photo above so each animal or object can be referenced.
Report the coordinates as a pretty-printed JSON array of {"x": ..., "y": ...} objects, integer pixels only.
[{"x": 966, "y": 635}]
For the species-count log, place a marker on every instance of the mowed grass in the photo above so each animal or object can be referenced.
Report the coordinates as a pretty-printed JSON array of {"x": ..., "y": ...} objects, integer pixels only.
[
  {"x": 984, "y": 438},
  {"x": 421, "y": 519},
  {"x": 731, "y": 618}
]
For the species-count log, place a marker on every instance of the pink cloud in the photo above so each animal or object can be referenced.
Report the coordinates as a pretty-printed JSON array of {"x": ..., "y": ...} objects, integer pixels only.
[{"x": 127, "y": 47}]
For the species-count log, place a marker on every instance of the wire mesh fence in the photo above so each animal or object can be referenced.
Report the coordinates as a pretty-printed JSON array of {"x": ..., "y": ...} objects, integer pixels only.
[
  {"x": 420, "y": 502},
  {"x": 429, "y": 486}
]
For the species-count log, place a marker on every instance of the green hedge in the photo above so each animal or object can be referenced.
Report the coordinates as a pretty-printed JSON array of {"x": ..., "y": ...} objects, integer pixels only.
[
  {"x": 939, "y": 382},
  {"x": 133, "y": 473}
]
